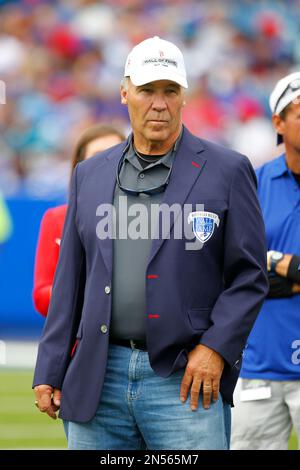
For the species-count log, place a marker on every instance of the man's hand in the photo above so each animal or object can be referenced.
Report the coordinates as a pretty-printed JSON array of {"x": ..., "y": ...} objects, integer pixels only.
[
  {"x": 47, "y": 399},
  {"x": 204, "y": 368},
  {"x": 282, "y": 268}
]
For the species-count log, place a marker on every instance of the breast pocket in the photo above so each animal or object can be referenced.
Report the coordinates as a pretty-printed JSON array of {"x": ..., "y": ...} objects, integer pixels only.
[
  {"x": 213, "y": 209},
  {"x": 203, "y": 203}
]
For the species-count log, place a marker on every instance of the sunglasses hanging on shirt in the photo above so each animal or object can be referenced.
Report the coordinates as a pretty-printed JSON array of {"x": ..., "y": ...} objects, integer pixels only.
[{"x": 148, "y": 191}]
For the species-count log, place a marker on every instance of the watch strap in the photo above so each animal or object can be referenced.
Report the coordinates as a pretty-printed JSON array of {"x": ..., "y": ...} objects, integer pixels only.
[{"x": 273, "y": 264}]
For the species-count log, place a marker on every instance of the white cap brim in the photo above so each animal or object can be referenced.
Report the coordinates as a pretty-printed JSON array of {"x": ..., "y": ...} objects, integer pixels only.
[
  {"x": 287, "y": 100},
  {"x": 277, "y": 104},
  {"x": 139, "y": 79}
]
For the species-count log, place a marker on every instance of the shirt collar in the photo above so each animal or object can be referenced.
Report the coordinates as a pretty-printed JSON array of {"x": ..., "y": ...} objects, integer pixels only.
[
  {"x": 166, "y": 160},
  {"x": 280, "y": 167}
]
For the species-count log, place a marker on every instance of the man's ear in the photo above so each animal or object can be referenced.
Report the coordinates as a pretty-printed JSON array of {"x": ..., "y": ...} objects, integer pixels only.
[
  {"x": 278, "y": 123},
  {"x": 123, "y": 96}
]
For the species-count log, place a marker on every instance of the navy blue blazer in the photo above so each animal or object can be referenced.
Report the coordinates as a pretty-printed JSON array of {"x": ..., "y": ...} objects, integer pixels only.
[{"x": 210, "y": 296}]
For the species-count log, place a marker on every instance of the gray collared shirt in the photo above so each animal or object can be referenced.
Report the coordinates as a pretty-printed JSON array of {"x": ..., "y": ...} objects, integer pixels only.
[
  {"x": 134, "y": 176},
  {"x": 130, "y": 261}
]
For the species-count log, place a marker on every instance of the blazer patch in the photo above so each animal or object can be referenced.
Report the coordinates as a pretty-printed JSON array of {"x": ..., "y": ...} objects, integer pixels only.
[{"x": 203, "y": 224}]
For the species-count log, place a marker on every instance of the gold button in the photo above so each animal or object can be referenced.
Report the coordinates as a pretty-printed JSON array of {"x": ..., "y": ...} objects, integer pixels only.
[
  {"x": 103, "y": 328},
  {"x": 107, "y": 290}
]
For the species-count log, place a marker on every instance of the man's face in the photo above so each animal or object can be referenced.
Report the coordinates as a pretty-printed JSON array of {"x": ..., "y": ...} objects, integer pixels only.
[
  {"x": 154, "y": 109},
  {"x": 289, "y": 127}
]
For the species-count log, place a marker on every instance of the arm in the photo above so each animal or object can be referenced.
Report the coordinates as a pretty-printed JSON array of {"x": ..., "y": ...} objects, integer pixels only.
[
  {"x": 246, "y": 285},
  {"x": 65, "y": 308},
  {"x": 245, "y": 269},
  {"x": 45, "y": 263},
  {"x": 288, "y": 268},
  {"x": 296, "y": 288},
  {"x": 279, "y": 287}
]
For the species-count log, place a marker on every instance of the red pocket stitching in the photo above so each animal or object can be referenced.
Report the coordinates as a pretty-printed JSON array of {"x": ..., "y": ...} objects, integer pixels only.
[{"x": 74, "y": 348}]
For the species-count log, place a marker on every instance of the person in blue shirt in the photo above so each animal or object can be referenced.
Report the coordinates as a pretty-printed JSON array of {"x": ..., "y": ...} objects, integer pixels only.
[{"x": 267, "y": 396}]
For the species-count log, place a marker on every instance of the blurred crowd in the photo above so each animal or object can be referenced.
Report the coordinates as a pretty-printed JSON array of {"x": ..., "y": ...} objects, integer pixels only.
[{"x": 61, "y": 63}]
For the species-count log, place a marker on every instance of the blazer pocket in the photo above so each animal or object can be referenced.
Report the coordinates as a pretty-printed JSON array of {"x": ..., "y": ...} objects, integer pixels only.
[
  {"x": 78, "y": 337},
  {"x": 200, "y": 318},
  {"x": 214, "y": 205}
]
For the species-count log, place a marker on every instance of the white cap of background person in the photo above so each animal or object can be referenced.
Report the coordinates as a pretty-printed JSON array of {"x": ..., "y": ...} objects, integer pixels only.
[
  {"x": 286, "y": 90},
  {"x": 155, "y": 59}
]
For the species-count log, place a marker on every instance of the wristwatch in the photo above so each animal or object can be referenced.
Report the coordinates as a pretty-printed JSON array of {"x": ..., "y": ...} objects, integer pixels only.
[{"x": 276, "y": 256}]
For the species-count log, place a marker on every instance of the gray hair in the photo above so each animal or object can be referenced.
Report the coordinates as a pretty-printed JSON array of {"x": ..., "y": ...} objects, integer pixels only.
[{"x": 124, "y": 83}]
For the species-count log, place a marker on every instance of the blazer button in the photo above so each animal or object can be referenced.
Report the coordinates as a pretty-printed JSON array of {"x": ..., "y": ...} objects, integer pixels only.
[
  {"x": 107, "y": 290},
  {"x": 103, "y": 329}
]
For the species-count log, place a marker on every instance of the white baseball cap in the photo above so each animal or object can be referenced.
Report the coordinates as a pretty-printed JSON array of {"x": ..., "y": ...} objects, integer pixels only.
[
  {"x": 155, "y": 59},
  {"x": 286, "y": 90}
]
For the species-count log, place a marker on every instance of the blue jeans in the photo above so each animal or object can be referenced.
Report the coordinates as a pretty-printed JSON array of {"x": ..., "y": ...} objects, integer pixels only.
[{"x": 140, "y": 410}]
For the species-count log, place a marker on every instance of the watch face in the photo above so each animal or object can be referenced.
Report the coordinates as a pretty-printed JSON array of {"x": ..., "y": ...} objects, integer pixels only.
[{"x": 277, "y": 256}]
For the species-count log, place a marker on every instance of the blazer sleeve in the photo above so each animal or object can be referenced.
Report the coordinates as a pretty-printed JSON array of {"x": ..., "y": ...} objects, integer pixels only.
[
  {"x": 245, "y": 269},
  {"x": 65, "y": 304},
  {"x": 45, "y": 263}
]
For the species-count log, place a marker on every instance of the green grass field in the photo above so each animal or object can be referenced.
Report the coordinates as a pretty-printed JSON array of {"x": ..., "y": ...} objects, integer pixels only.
[{"x": 22, "y": 426}]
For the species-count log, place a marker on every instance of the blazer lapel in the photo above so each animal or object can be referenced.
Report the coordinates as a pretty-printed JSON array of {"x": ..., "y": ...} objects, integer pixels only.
[
  {"x": 106, "y": 184},
  {"x": 187, "y": 167}
]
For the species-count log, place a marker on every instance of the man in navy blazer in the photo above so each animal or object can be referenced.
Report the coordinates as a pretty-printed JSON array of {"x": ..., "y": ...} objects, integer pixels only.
[{"x": 201, "y": 293}]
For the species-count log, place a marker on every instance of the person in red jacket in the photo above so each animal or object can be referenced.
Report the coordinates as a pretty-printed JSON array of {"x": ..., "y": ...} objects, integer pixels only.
[{"x": 95, "y": 139}]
